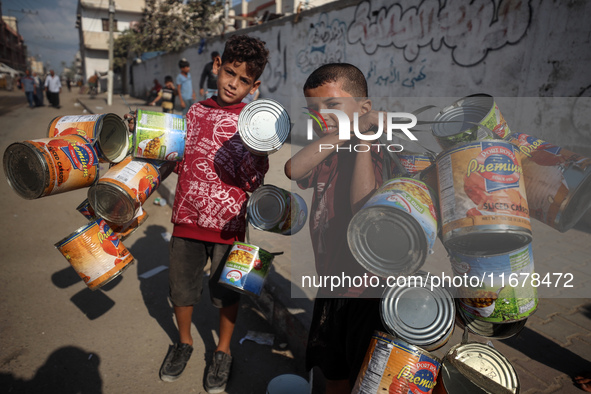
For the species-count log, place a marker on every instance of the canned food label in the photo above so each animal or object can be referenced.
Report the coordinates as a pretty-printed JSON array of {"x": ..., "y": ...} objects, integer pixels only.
[
  {"x": 246, "y": 268},
  {"x": 139, "y": 178},
  {"x": 414, "y": 163},
  {"x": 160, "y": 136},
  {"x": 84, "y": 125},
  {"x": 413, "y": 197},
  {"x": 504, "y": 291},
  {"x": 550, "y": 173},
  {"x": 481, "y": 183},
  {"x": 396, "y": 367}
]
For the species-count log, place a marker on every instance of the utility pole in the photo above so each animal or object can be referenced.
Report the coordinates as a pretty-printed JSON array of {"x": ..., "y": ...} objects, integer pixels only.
[{"x": 110, "y": 72}]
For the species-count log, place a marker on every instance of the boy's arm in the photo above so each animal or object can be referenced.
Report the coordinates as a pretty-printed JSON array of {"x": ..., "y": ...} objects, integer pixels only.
[
  {"x": 300, "y": 166},
  {"x": 158, "y": 97},
  {"x": 178, "y": 92}
]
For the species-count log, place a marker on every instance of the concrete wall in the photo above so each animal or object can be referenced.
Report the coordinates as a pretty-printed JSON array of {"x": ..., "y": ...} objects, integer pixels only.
[{"x": 434, "y": 51}]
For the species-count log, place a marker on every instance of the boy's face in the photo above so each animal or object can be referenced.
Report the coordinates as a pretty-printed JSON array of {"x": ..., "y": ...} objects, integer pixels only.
[
  {"x": 331, "y": 96},
  {"x": 186, "y": 69},
  {"x": 234, "y": 82}
]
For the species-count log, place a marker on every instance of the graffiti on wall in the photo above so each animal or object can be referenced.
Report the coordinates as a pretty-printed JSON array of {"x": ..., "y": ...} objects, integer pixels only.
[
  {"x": 275, "y": 72},
  {"x": 325, "y": 44},
  {"x": 469, "y": 29},
  {"x": 406, "y": 76}
]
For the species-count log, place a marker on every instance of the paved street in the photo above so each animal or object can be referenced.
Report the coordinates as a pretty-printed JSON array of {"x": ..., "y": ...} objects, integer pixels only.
[{"x": 54, "y": 329}]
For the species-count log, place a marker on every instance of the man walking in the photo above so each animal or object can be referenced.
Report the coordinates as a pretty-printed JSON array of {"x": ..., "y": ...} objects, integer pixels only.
[
  {"x": 28, "y": 84},
  {"x": 53, "y": 87}
]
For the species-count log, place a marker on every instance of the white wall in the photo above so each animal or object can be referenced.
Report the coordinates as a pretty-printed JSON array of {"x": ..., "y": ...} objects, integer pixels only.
[{"x": 420, "y": 49}]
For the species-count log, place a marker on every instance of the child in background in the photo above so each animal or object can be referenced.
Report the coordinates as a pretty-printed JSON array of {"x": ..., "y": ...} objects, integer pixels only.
[
  {"x": 343, "y": 180},
  {"x": 210, "y": 205},
  {"x": 166, "y": 94}
]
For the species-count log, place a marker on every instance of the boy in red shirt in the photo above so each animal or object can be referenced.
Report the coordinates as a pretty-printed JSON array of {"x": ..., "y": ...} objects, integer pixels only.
[{"x": 210, "y": 204}]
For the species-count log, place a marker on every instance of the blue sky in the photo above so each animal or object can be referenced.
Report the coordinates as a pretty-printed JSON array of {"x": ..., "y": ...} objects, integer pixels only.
[{"x": 50, "y": 34}]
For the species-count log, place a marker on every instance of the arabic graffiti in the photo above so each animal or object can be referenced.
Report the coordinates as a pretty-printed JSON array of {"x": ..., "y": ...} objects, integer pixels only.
[
  {"x": 325, "y": 44},
  {"x": 407, "y": 77},
  {"x": 275, "y": 73},
  {"x": 469, "y": 29}
]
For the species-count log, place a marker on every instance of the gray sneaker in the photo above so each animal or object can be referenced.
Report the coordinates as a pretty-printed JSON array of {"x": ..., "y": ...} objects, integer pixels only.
[
  {"x": 175, "y": 362},
  {"x": 218, "y": 373}
]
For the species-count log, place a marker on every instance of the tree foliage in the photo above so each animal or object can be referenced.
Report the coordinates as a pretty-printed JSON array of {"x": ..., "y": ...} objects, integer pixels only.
[{"x": 169, "y": 25}]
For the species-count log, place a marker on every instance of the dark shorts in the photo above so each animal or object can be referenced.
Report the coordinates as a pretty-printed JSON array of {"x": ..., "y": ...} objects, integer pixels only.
[
  {"x": 339, "y": 335},
  {"x": 188, "y": 258}
]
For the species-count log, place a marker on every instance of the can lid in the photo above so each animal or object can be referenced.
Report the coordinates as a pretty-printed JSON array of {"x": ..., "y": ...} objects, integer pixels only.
[
  {"x": 113, "y": 138},
  {"x": 488, "y": 241},
  {"x": 266, "y": 207},
  {"x": 264, "y": 125},
  {"x": 26, "y": 170},
  {"x": 465, "y": 113},
  {"x": 484, "y": 366},
  {"x": 418, "y": 312},
  {"x": 111, "y": 203},
  {"x": 387, "y": 241}
]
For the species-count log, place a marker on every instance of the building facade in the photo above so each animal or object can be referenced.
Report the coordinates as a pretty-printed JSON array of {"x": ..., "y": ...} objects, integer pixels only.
[{"x": 13, "y": 50}]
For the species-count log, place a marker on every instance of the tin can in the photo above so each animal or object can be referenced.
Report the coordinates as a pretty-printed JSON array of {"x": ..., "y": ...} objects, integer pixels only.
[
  {"x": 488, "y": 329},
  {"x": 396, "y": 367},
  {"x": 482, "y": 198},
  {"x": 472, "y": 118},
  {"x": 108, "y": 131},
  {"x": 276, "y": 210},
  {"x": 557, "y": 181},
  {"x": 122, "y": 231},
  {"x": 159, "y": 136},
  {"x": 395, "y": 229},
  {"x": 418, "y": 312},
  {"x": 264, "y": 125},
  {"x": 49, "y": 166},
  {"x": 496, "y": 288},
  {"x": 119, "y": 194},
  {"x": 477, "y": 368},
  {"x": 246, "y": 268},
  {"x": 414, "y": 163},
  {"x": 96, "y": 253}
]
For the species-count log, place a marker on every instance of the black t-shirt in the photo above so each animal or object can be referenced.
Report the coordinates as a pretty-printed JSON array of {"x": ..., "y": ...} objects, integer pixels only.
[{"x": 212, "y": 79}]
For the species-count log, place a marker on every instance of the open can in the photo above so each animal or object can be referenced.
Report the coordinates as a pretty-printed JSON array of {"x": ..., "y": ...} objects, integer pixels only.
[{"x": 276, "y": 210}]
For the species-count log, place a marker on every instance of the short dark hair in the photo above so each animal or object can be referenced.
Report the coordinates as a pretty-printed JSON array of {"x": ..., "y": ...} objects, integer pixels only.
[
  {"x": 353, "y": 80},
  {"x": 249, "y": 50},
  {"x": 183, "y": 63},
  {"x": 214, "y": 54},
  {"x": 167, "y": 78}
]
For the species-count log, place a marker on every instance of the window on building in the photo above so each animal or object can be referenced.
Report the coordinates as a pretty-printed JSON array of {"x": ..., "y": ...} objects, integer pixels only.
[{"x": 106, "y": 24}]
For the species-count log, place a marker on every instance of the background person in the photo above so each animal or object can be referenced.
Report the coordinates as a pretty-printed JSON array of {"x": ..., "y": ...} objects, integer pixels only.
[
  {"x": 184, "y": 86},
  {"x": 53, "y": 87},
  {"x": 28, "y": 86},
  {"x": 166, "y": 94},
  {"x": 211, "y": 77}
]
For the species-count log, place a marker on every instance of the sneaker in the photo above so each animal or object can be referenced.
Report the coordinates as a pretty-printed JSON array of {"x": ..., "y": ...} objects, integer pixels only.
[
  {"x": 218, "y": 373},
  {"x": 175, "y": 362}
]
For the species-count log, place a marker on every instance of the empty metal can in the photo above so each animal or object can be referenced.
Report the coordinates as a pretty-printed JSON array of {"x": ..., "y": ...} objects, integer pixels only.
[
  {"x": 276, "y": 210},
  {"x": 49, "y": 166},
  {"x": 468, "y": 119},
  {"x": 264, "y": 125},
  {"x": 419, "y": 312},
  {"x": 396, "y": 229}
]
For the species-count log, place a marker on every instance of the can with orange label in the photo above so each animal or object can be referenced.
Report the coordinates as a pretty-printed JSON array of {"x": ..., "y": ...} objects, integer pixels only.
[
  {"x": 122, "y": 231},
  {"x": 396, "y": 367},
  {"x": 482, "y": 195},
  {"x": 118, "y": 195},
  {"x": 108, "y": 131},
  {"x": 96, "y": 253},
  {"x": 557, "y": 181},
  {"x": 48, "y": 166}
]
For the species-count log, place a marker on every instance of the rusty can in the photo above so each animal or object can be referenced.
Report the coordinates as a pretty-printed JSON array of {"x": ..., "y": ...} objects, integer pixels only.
[
  {"x": 108, "y": 132},
  {"x": 96, "y": 253},
  {"x": 49, "y": 166},
  {"x": 391, "y": 365},
  {"x": 482, "y": 198},
  {"x": 119, "y": 194},
  {"x": 557, "y": 181}
]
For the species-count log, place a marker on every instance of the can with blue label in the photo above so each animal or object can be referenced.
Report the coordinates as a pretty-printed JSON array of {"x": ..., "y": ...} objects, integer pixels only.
[
  {"x": 393, "y": 233},
  {"x": 482, "y": 197},
  {"x": 246, "y": 268}
]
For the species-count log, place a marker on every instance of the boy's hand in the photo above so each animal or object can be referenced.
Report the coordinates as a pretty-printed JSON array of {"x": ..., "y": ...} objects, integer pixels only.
[
  {"x": 371, "y": 121},
  {"x": 130, "y": 118}
]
